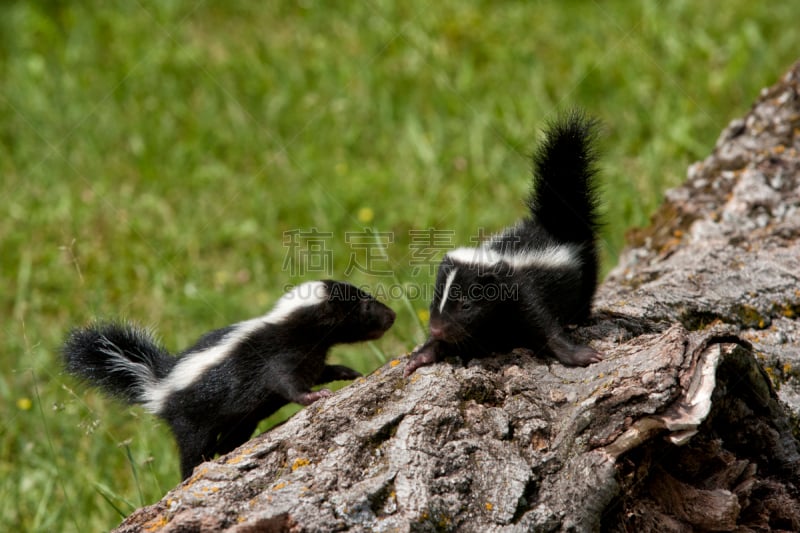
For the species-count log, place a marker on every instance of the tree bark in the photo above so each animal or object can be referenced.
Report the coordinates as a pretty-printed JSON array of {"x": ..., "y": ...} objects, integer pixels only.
[{"x": 680, "y": 428}]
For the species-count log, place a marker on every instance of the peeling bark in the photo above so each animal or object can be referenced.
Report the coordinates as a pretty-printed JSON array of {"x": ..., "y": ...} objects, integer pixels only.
[{"x": 679, "y": 429}]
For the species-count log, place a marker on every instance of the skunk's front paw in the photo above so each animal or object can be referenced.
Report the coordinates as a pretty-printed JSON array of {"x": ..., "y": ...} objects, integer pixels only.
[
  {"x": 307, "y": 398},
  {"x": 424, "y": 356}
]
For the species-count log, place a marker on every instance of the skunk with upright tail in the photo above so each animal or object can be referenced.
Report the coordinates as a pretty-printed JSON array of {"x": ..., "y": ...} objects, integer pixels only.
[
  {"x": 521, "y": 287},
  {"x": 214, "y": 394}
]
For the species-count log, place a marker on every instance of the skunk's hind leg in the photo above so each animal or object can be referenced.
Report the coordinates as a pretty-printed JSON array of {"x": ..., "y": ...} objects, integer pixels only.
[
  {"x": 557, "y": 341},
  {"x": 195, "y": 444},
  {"x": 572, "y": 354},
  {"x": 232, "y": 437}
]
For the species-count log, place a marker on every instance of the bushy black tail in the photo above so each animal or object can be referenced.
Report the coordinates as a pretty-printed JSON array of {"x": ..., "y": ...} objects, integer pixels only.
[
  {"x": 564, "y": 199},
  {"x": 121, "y": 359}
]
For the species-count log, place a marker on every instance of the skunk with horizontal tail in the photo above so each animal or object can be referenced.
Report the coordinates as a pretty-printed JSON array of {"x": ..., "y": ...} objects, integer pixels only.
[{"x": 214, "y": 394}]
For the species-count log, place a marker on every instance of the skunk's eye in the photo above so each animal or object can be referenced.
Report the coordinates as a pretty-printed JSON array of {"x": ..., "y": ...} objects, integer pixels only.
[{"x": 466, "y": 305}]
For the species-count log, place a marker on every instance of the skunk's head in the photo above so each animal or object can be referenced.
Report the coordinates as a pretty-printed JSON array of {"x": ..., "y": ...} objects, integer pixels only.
[
  {"x": 469, "y": 296},
  {"x": 349, "y": 314}
]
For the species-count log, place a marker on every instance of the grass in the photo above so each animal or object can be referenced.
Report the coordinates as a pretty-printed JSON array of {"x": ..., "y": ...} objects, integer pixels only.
[{"x": 154, "y": 155}]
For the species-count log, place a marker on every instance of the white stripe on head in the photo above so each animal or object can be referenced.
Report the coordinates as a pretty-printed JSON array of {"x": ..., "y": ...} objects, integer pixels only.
[
  {"x": 447, "y": 284},
  {"x": 192, "y": 366}
]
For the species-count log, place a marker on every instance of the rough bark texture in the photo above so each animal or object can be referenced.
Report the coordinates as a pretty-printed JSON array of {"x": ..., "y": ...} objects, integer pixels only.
[{"x": 679, "y": 429}]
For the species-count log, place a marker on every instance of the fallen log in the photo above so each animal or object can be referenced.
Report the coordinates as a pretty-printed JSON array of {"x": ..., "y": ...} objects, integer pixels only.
[{"x": 680, "y": 428}]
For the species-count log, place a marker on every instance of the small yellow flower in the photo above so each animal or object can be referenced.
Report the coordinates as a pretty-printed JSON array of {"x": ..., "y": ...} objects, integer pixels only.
[
  {"x": 489, "y": 506},
  {"x": 221, "y": 278},
  {"x": 365, "y": 215},
  {"x": 424, "y": 315},
  {"x": 24, "y": 404}
]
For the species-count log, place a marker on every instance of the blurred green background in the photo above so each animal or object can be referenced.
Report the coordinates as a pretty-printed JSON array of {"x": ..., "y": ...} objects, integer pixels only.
[{"x": 155, "y": 153}]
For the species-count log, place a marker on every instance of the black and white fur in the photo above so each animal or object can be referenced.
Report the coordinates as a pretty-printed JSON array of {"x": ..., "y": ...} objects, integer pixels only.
[
  {"x": 214, "y": 394},
  {"x": 524, "y": 285}
]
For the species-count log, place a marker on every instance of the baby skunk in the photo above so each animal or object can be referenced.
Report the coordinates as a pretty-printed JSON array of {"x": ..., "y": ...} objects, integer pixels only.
[
  {"x": 214, "y": 394},
  {"x": 522, "y": 286}
]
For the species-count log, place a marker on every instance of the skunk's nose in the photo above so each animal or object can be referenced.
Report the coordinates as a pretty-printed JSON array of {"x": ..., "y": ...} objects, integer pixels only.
[
  {"x": 389, "y": 319},
  {"x": 437, "y": 332}
]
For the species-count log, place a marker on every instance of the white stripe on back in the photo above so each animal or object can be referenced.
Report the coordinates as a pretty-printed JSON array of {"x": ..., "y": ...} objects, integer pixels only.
[
  {"x": 306, "y": 294},
  {"x": 475, "y": 256},
  {"x": 562, "y": 255},
  {"x": 192, "y": 366},
  {"x": 551, "y": 257}
]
